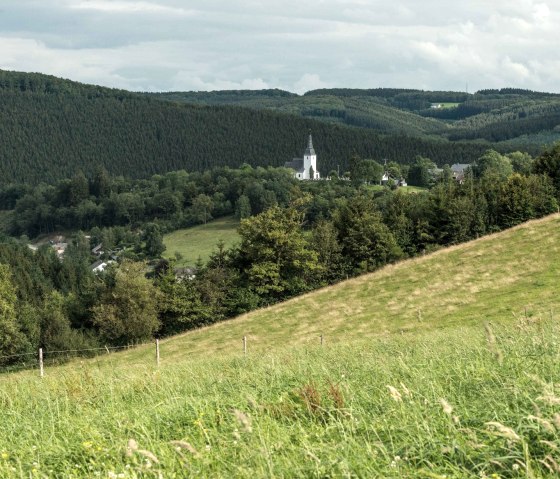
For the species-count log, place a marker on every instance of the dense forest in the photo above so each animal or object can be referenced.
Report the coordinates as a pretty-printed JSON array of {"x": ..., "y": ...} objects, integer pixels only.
[
  {"x": 489, "y": 115},
  {"x": 51, "y": 128},
  {"x": 295, "y": 237}
]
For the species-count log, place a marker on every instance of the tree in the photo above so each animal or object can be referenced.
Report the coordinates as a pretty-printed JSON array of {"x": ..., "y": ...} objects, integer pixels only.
[
  {"x": 11, "y": 338},
  {"x": 549, "y": 164},
  {"x": 243, "y": 207},
  {"x": 128, "y": 311},
  {"x": 419, "y": 172},
  {"x": 329, "y": 251},
  {"x": 494, "y": 163},
  {"x": 202, "y": 207},
  {"x": 366, "y": 241},
  {"x": 154, "y": 240},
  {"x": 274, "y": 255},
  {"x": 521, "y": 162}
]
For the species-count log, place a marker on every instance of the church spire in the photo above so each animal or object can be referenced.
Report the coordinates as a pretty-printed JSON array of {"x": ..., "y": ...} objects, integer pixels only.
[{"x": 309, "y": 151}]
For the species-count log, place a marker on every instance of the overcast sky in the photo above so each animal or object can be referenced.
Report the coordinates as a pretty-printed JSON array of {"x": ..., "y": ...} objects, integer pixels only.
[{"x": 296, "y": 45}]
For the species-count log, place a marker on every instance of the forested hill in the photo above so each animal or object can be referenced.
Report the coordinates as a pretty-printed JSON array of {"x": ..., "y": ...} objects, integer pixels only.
[
  {"x": 518, "y": 117},
  {"x": 50, "y": 128}
]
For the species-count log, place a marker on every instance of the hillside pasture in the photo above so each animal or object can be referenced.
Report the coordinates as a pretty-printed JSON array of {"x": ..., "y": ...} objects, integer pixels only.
[
  {"x": 200, "y": 241},
  {"x": 440, "y": 366}
]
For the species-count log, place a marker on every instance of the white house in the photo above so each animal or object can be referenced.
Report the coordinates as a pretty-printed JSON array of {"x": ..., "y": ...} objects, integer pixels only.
[{"x": 305, "y": 168}]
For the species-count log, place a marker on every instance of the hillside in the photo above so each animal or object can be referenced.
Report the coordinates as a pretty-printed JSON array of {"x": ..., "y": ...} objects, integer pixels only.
[
  {"x": 407, "y": 383},
  {"x": 490, "y": 279},
  {"x": 199, "y": 242},
  {"x": 490, "y": 115},
  {"x": 51, "y": 128}
]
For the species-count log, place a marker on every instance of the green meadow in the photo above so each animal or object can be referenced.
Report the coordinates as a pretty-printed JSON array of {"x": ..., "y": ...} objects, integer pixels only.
[
  {"x": 441, "y": 366},
  {"x": 200, "y": 241}
]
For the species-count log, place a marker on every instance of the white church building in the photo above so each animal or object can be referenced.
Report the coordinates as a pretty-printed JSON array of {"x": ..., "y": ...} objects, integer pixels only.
[{"x": 305, "y": 168}]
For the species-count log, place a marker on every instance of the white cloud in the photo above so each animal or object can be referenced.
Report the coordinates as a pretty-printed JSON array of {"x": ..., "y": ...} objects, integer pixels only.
[
  {"x": 309, "y": 81},
  {"x": 128, "y": 7},
  {"x": 218, "y": 44}
]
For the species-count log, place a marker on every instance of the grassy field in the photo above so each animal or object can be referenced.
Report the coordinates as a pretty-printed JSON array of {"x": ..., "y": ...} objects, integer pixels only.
[
  {"x": 200, "y": 241},
  {"x": 409, "y": 382}
]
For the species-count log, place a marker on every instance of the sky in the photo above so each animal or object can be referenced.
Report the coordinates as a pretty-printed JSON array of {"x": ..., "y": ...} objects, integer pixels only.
[{"x": 295, "y": 45}]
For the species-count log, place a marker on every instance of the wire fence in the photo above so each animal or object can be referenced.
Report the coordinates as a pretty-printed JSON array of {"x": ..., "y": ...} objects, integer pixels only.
[{"x": 42, "y": 359}]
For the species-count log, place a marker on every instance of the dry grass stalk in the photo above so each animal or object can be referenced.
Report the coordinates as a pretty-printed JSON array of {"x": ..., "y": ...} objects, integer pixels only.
[
  {"x": 395, "y": 394},
  {"x": 447, "y": 408},
  {"x": 547, "y": 425},
  {"x": 131, "y": 447},
  {"x": 186, "y": 446},
  {"x": 503, "y": 431},
  {"x": 244, "y": 420},
  {"x": 492, "y": 343}
]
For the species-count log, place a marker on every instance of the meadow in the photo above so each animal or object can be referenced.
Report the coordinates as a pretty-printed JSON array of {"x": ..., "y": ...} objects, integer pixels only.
[
  {"x": 441, "y": 366},
  {"x": 200, "y": 241}
]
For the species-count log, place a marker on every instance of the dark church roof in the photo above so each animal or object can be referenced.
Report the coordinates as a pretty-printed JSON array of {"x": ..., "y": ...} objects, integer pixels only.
[{"x": 295, "y": 164}]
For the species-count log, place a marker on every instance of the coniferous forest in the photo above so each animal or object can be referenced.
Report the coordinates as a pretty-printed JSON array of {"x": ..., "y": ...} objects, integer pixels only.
[{"x": 51, "y": 128}]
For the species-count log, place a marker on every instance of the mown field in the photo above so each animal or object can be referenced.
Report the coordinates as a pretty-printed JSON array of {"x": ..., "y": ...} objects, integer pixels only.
[
  {"x": 443, "y": 366},
  {"x": 200, "y": 241}
]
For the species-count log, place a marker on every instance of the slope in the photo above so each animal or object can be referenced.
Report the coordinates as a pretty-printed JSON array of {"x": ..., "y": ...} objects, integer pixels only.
[{"x": 436, "y": 399}]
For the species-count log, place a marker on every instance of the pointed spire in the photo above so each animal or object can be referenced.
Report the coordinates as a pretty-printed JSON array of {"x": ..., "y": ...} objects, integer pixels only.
[{"x": 309, "y": 151}]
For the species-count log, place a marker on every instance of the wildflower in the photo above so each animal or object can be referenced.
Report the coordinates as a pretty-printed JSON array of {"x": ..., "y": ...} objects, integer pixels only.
[
  {"x": 5, "y": 455},
  {"x": 87, "y": 444},
  {"x": 395, "y": 394}
]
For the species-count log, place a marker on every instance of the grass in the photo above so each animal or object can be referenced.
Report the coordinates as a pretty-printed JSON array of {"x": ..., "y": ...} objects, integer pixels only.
[
  {"x": 407, "y": 384},
  {"x": 200, "y": 241}
]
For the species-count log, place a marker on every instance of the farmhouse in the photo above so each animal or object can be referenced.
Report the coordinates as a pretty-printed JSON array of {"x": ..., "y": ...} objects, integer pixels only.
[
  {"x": 458, "y": 171},
  {"x": 305, "y": 168}
]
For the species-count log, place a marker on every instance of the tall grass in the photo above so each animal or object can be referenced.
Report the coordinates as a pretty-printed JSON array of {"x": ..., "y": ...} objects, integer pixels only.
[{"x": 439, "y": 404}]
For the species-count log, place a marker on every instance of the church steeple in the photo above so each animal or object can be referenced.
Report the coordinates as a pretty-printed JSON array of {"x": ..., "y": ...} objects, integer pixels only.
[{"x": 309, "y": 151}]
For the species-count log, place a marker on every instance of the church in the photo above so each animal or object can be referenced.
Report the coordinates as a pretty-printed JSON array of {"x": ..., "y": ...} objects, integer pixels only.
[{"x": 305, "y": 168}]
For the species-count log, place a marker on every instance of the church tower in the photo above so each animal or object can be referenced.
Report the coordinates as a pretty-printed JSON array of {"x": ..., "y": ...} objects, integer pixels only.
[{"x": 310, "y": 161}]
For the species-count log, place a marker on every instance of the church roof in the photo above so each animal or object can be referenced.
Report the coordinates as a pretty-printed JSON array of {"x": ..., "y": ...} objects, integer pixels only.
[{"x": 295, "y": 164}]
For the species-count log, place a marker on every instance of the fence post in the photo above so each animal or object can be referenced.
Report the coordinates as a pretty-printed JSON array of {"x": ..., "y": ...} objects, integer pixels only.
[
  {"x": 321, "y": 339},
  {"x": 41, "y": 366},
  {"x": 244, "y": 344},
  {"x": 157, "y": 352}
]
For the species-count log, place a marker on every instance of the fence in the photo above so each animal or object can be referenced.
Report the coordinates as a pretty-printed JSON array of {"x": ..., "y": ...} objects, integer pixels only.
[{"x": 40, "y": 359}]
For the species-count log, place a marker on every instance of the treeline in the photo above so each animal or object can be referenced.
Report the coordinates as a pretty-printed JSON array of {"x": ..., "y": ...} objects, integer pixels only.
[
  {"x": 51, "y": 128},
  {"x": 174, "y": 200},
  {"x": 328, "y": 231}
]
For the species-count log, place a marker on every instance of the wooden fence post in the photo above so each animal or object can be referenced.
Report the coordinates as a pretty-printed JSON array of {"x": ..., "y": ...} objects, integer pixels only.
[
  {"x": 321, "y": 339},
  {"x": 157, "y": 352},
  {"x": 244, "y": 344},
  {"x": 41, "y": 366}
]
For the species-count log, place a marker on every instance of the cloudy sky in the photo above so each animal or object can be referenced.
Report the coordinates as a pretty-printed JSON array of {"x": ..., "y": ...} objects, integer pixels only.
[{"x": 297, "y": 45}]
